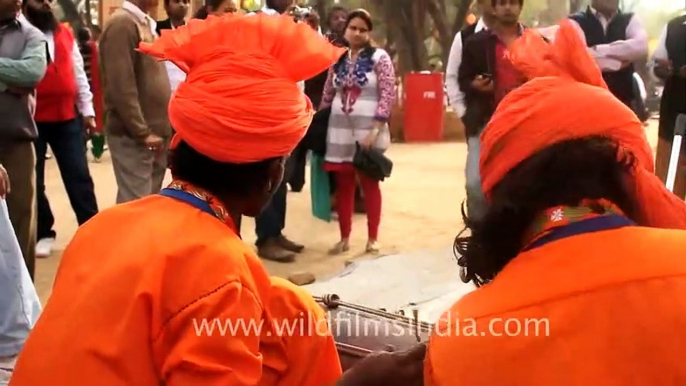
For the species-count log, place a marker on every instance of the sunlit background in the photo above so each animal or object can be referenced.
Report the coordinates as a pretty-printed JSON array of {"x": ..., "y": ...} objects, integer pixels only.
[{"x": 418, "y": 33}]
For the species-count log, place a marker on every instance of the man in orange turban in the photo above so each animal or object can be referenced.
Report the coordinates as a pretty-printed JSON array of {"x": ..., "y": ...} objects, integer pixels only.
[
  {"x": 580, "y": 258},
  {"x": 178, "y": 299}
]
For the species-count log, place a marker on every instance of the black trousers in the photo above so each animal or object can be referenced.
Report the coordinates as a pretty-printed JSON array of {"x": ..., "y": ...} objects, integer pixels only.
[
  {"x": 297, "y": 164},
  {"x": 272, "y": 220},
  {"x": 66, "y": 141}
]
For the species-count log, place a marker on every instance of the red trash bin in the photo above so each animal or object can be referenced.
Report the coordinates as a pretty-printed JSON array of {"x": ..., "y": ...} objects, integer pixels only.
[{"x": 424, "y": 107}]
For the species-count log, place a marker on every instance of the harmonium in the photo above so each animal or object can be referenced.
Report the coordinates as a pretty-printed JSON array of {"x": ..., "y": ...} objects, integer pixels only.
[{"x": 359, "y": 331}]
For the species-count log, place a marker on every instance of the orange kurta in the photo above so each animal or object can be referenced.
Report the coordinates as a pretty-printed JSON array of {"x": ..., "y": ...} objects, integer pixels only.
[
  {"x": 612, "y": 302},
  {"x": 133, "y": 291}
]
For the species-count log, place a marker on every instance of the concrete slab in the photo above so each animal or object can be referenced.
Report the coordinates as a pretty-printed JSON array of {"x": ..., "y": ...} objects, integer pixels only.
[{"x": 427, "y": 280}]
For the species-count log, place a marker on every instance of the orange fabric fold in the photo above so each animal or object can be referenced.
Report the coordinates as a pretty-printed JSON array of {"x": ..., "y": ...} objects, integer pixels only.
[
  {"x": 566, "y": 98},
  {"x": 240, "y": 102}
]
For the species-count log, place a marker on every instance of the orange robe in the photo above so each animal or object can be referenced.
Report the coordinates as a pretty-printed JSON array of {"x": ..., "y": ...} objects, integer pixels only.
[
  {"x": 133, "y": 291},
  {"x": 613, "y": 302}
]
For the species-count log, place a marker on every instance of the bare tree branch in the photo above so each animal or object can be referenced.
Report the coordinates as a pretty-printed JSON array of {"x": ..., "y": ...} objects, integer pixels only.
[{"x": 463, "y": 7}]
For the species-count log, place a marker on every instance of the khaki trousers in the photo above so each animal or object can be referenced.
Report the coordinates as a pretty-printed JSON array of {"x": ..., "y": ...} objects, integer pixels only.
[
  {"x": 6, "y": 367},
  {"x": 138, "y": 170},
  {"x": 19, "y": 158}
]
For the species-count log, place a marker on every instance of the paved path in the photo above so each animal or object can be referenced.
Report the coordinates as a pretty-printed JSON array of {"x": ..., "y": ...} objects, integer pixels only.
[
  {"x": 421, "y": 217},
  {"x": 420, "y": 210}
]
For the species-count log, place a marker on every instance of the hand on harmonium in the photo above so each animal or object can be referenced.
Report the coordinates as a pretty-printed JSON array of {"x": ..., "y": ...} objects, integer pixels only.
[{"x": 404, "y": 368}]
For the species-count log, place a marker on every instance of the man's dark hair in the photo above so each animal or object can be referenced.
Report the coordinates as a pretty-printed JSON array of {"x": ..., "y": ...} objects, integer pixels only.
[
  {"x": 219, "y": 178},
  {"x": 273, "y": 4},
  {"x": 333, "y": 10},
  {"x": 562, "y": 174},
  {"x": 494, "y": 2},
  {"x": 83, "y": 35}
]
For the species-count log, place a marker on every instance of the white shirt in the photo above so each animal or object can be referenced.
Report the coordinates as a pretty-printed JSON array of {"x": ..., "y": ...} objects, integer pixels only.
[
  {"x": 455, "y": 95},
  {"x": 84, "y": 100},
  {"x": 142, "y": 16},
  {"x": 269, "y": 11},
  {"x": 611, "y": 57},
  {"x": 176, "y": 75}
]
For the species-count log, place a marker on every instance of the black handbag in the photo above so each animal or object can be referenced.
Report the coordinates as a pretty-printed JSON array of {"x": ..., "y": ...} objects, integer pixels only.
[
  {"x": 372, "y": 163},
  {"x": 315, "y": 138}
]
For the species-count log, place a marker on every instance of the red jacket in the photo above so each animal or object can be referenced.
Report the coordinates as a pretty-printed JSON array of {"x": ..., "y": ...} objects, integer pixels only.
[{"x": 56, "y": 94}]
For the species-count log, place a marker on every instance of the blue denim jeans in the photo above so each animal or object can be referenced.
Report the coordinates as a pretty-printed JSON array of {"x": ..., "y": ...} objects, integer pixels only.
[
  {"x": 19, "y": 304},
  {"x": 66, "y": 141},
  {"x": 270, "y": 223},
  {"x": 476, "y": 200}
]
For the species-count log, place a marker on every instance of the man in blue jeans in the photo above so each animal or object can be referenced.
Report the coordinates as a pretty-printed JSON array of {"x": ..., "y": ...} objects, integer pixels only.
[
  {"x": 19, "y": 304},
  {"x": 486, "y": 76},
  {"x": 271, "y": 243},
  {"x": 458, "y": 100},
  {"x": 64, "y": 88}
]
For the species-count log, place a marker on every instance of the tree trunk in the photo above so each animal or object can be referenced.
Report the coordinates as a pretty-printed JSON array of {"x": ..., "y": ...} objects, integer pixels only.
[
  {"x": 575, "y": 6},
  {"x": 556, "y": 11},
  {"x": 322, "y": 7},
  {"x": 463, "y": 7},
  {"x": 89, "y": 15},
  {"x": 437, "y": 9},
  {"x": 400, "y": 15}
]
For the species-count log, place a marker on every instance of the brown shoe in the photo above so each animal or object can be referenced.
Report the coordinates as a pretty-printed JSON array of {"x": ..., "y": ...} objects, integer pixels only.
[
  {"x": 341, "y": 247},
  {"x": 289, "y": 245},
  {"x": 271, "y": 250}
]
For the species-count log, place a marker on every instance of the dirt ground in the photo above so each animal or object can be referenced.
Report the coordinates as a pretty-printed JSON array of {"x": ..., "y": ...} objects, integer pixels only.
[{"x": 421, "y": 210}]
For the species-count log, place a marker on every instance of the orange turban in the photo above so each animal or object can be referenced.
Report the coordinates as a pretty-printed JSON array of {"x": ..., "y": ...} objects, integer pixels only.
[
  {"x": 566, "y": 98},
  {"x": 240, "y": 102}
]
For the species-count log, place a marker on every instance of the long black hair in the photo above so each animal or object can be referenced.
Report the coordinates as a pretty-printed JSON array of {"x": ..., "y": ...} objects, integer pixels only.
[{"x": 562, "y": 174}]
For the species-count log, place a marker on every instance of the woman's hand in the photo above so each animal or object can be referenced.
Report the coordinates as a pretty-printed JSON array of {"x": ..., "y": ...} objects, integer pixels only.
[
  {"x": 384, "y": 368},
  {"x": 370, "y": 139}
]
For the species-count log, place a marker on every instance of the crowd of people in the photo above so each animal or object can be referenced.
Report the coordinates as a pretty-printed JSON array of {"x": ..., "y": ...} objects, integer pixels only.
[
  {"x": 478, "y": 75},
  {"x": 568, "y": 217},
  {"x": 68, "y": 85}
]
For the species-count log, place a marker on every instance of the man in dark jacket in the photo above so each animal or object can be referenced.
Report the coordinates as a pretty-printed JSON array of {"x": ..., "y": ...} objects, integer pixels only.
[
  {"x": 177, "y": 10},
  {"x": 670, "y": 66},
  {"x": 616, "y": 40},
  {"x": 485, "y": 77}
]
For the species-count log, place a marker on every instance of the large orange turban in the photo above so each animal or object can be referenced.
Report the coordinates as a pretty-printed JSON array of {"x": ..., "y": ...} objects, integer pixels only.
[
  {"x": 240, "y": 102},
  {"x": 566, "y": 98}
]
